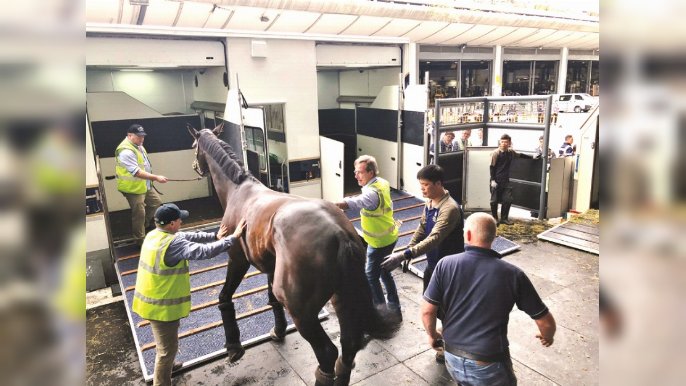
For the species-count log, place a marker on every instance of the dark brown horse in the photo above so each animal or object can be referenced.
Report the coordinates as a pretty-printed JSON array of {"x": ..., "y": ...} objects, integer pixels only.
[{"x": 310, "y": 252}]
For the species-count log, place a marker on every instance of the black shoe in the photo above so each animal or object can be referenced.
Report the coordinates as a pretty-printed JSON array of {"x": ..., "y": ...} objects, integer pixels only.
[{"x": 440, "y": 356}]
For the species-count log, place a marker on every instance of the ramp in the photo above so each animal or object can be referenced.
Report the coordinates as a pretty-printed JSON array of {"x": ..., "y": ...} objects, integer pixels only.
[
  {"x": 201, "y": 334},
  {"x": 585, "y": 237}
]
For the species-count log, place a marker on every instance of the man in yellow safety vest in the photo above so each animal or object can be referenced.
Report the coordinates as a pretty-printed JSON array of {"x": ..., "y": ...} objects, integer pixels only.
[
  {"x": 163, "y": 288},
  {"x": 134, "y": 180}
]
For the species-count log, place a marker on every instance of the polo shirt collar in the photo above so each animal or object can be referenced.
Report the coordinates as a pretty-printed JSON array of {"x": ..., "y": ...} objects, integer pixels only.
[
  {"x": 446, "y": 196},
  {"x": 484, "y": 251}
]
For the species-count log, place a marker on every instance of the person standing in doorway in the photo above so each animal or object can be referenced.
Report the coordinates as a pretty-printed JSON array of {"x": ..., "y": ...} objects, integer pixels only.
[
  {"x": 476, "y": 291},
  {"x": 379, "y": 229},
  {"x": 134, "y": 181},
  {"x": 163, "y": 288},
  {"x": 501, "y": 190}
]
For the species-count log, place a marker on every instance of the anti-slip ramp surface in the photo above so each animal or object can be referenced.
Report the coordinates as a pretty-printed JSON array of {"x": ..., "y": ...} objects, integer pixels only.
[
  {"x": 201, "y": 334},
  {"x": 408, "y": 210}
]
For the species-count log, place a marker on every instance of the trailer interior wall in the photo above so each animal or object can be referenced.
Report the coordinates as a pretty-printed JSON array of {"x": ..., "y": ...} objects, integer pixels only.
[{"x": 285, "y": 71}]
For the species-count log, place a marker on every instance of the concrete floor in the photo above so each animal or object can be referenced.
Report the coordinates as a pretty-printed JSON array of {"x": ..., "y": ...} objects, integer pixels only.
[{"x": 566, "y": 279}]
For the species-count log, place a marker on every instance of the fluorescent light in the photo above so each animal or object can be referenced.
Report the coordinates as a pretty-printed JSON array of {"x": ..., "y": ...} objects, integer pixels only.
[{"x": 136, "y": 69}]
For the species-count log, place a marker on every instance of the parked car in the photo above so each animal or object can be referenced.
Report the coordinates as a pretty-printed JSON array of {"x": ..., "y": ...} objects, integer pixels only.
[{"x": 574, "y": 102}]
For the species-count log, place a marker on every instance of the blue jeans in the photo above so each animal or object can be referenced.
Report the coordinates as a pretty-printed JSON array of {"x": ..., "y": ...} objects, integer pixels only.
[
  {"x": 374, "y": 272},
  {"x": 467, "y": 372}
]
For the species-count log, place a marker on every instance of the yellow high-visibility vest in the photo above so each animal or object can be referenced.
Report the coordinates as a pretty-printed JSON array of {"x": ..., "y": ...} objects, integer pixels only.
[
  {"x": 378, "y": 227},
  {"x": 126, "y": 182}
]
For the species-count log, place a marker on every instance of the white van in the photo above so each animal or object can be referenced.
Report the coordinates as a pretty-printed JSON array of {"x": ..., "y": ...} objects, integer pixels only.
[{"x": 573, "y": 102}]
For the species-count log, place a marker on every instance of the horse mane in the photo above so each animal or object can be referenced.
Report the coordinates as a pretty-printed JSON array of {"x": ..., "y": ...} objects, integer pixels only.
[{"x": 223, "y": 154}]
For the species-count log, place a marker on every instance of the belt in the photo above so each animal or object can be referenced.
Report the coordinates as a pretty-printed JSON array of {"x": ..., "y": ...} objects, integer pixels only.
[{"x": 478, "y": 357}]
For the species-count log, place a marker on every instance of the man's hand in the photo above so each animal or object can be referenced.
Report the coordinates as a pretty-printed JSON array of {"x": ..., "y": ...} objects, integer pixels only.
[
  {"x": 494, "y": 184},
  {"x": 161, "y": 179},
  {"x": 436, "y": 342},
  {"x": 341, "y": 205},
  {"x": 239, "y": 229},
  {"x": 222, "y": 232},
  {"x": 393, "y": 261},
  {"x": 547, "y": 342}
]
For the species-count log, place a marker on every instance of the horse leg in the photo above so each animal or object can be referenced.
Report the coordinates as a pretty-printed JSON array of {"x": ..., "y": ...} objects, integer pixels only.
[
  {"x": 352, "y": 340},
  {"x": 325, "y": 351},
  {"x": 237, "y": 267},
  {"x": 278, "y": 332}
]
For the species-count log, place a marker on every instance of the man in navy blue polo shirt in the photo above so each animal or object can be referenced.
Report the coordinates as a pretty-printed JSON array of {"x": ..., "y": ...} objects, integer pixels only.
[{"x": 476, "y": 291}]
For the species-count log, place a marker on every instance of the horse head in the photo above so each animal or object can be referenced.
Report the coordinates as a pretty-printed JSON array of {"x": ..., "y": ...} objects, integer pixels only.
[{"x": 200, "y": 163}]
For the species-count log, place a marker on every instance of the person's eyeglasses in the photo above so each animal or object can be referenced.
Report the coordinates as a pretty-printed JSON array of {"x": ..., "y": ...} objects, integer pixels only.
[{"x": 359, "y": 172}]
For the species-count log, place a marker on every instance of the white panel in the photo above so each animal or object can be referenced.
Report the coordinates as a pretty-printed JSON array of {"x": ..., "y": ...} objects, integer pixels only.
[
  {"x": 233, "y": 110},
  {"x": 586, "y": 158},
  {"x": 99, "y": 81},
  {"x": 113, "y": 106},
  {"x": 425, "y": 29},
  {"x": 173, "y": 164},
  {"x": 366, "y": 25},
  {"x": 96, "y": 233},
  {"x": 247, "y": 18},
  {"x": 340, "y": 55},
  {"x": 327, "y": 89},
  {"x": 378, "y": 79},
  {"x": 416, "y": 98},
  {"x": 495, "y": 34},
  {"x": 194, "y": 15},
  {"x": 535, "y": 39},
  {"x": 354, "y": 82},
  {"x": 288, "y": 75},
  {"x": 386, "y": 154},
  {"x": 294, "y": 21},
  {"x": 386, "y": 99},
  {"x": 152, "y": 52},
  {"x": 333, "y": 170},
  {"x": 331, "y": 24},
  {"x": 398, "y": 27},
  {"x": 447, "y": 33},
  {"x": 253, "y": 116},
  {"x": 477, "y": 196},
  {"x": 218, "y": 18},
  {"x": 161, "y": 12},
  {"x": 311, "y": 189},
  {"x": 163, "y": 91},
  {"x": 91, "y": 173},
  {"x": 210, "y": 86},
  {"x": 518, "y": 34},
  {"x": 473, "y": 33},
  {"x": 102, "y": 11},
  {"x": 413, "y": 160}
]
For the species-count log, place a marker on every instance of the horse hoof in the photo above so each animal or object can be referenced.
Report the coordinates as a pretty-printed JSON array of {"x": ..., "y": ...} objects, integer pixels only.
[
  {"x": 324, "y": 379},
  {"x": 343, "y": 373},
  {"x": 277, "y": 337},
  {"x": 235, "y": 351}
]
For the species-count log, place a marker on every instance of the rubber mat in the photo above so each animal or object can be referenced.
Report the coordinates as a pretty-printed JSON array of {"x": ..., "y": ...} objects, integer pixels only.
[
  {"x": 500, "y": 244},
  {"x": 201, "y": 334}
]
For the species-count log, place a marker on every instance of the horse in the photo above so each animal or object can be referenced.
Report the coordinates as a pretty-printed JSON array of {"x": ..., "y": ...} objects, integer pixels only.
[{"x": 311, "y": 254}]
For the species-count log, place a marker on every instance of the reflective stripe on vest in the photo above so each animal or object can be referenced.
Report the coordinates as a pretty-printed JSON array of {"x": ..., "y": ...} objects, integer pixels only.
[
  {"x": 162, "y": 293},
  {"x": 127, "y": 183},
  {"x": 378, "y": 227}
]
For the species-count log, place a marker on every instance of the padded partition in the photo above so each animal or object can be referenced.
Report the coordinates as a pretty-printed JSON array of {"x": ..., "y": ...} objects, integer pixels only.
[
  {"x": 336, "y": 121},
  {"x": 413, "y": 127},
  {"x": 377, "y": 123},
  {"x": 452, "y": 164},
  {"x": 476, "y": 191}
]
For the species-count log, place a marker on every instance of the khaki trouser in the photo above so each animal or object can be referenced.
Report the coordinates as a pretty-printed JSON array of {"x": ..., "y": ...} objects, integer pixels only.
[
  {"x": 143, "y": 207},
  {"x": 166, "y": 345}
]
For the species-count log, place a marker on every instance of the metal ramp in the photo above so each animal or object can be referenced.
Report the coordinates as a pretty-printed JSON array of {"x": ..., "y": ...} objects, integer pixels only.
[
  {"x": 201, "y": 335},
  {"x": 585, "y": 237}
]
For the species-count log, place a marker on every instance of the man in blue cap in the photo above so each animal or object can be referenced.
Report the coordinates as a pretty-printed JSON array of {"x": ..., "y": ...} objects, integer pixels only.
[
  {"x": 134, "y": 180},
  {"x": 163, "y": 289}
]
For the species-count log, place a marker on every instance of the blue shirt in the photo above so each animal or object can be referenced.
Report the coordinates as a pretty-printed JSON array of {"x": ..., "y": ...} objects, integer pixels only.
[
  {"x": 195, "y": 246},
  {"x": 477, "y": 290}
]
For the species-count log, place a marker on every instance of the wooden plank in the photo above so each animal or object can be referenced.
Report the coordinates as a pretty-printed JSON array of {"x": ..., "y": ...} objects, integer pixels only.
[
  {"x": 213, "y": 284},
  {"x": 211, "y": 326},
  {"x": 571, "y": 242},
  {"x": 579, "y": 235},
  {"x": 594, "y": 230},
  {"x": 215, "y": 302}
]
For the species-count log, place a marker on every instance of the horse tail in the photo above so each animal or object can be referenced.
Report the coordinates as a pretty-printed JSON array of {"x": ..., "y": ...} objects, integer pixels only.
[{"x": 353, "y": 300}]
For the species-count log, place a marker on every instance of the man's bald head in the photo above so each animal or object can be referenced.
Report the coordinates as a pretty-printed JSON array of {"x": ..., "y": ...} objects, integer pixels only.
[{"x": 479, "y": 230}]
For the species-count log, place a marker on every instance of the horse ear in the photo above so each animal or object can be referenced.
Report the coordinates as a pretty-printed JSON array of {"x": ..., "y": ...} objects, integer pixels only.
[
  {"x": 191, "y": 129},
  {"x": 219, "y": 129}
]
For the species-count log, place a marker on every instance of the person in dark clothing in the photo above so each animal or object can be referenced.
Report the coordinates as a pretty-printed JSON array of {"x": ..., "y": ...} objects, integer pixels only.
[
  {"x": 567, "y": 149},
  {"x": 501, "y": 190},
  {"x": 476, "y": 291}
]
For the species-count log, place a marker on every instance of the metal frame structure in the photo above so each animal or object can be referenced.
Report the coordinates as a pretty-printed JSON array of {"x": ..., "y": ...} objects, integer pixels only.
[{"x": 485, "y": 124}]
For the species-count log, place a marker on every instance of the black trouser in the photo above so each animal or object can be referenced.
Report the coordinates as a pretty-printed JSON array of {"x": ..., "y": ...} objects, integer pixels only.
[{"x": 502, "y": 194}]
